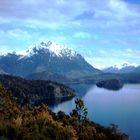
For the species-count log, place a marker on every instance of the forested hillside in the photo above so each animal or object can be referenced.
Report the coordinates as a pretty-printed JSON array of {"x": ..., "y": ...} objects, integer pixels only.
[
  {"x": 40, "y": 123},
  {"x": 31, "y": 91}
]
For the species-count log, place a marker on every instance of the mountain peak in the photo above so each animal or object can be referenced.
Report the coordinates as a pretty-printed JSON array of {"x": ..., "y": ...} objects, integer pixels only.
[
  {"x": 121, "y": 68},
  {"x": 123, "y": 65},
  {"x": 126, "y": 64},
  {"x": 54, "y": 49},
  {"x": 49, "y": 43},
  {"x": 48, "y": 57}
]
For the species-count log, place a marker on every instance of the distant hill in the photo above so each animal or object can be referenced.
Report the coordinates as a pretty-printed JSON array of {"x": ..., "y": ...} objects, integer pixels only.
[
  {"x": 33, "y": 91},
  {"x": 136, "y": 70},
  {"x": 132, "y": 78},
  {"x": 124, "y": 68},
  {"x": 47, "y": 57},
  {"x": 48, "y": 76}
]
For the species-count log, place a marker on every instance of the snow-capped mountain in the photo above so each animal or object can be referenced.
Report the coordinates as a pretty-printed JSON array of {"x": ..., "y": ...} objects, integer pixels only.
[
  {"x": 47, "y": 57},
  {"x": 123, "y": 68},
  {"x": 54, "y": 49}
]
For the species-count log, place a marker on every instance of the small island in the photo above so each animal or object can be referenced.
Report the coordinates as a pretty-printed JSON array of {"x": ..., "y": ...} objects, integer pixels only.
[{"x": 111, "y": 84}]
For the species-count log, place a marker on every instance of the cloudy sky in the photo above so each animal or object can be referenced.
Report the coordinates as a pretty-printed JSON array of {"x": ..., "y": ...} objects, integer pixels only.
[{"x": 105, "y": 32}]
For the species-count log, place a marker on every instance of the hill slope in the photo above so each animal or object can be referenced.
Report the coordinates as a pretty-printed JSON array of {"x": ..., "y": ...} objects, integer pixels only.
[
  {"x": 29, "y": 91},
  {"x": 136, "y": 70},
  {"x": 48, "y": 76},
  {"x": 39, "y": 123}
]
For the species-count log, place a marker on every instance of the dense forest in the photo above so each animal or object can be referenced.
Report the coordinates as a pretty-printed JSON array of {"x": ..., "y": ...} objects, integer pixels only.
[
  {"x": 32, "y": 91},
  {"x": 112, "y": 84},
  {"x": 39, "y": 123}
]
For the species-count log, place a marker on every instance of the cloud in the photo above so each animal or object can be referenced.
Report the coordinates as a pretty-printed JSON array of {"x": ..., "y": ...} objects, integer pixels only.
[
  {"x": 109, "y": 57},
  {"x": 81, "y": 35},
  {"x": 107, "y": 14},
  {"x": 48, "y": 10},
  {"x": 18, "y": 34},
  {"x": 86, "y": 15},
  {"x": 107, "y": 26},
  {"x": 112, "y": 15}
]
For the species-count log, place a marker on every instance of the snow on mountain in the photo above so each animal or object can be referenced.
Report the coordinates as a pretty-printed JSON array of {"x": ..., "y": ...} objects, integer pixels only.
[
  {"x": 123, "y": 65},
  {"x": 126, "y": 64},
  {"x": 121, "y": 68},
  {"x": 56, "y": 50},
  {"x": 47, "y": 57}
]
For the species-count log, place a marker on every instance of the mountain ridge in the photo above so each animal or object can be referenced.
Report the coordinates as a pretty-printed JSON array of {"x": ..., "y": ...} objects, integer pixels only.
[
  {"x": 54, "y": 49},
  {"x": 48, "y": 57},
  {"x": 123, "y": 68}
]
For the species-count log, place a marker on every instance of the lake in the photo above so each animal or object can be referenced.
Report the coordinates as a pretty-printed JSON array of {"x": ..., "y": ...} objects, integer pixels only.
[{"x": 105, "y": 106}]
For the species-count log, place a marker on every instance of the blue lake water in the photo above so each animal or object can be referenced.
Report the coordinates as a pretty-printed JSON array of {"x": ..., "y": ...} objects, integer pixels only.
[{"x": 105, "y": 107}]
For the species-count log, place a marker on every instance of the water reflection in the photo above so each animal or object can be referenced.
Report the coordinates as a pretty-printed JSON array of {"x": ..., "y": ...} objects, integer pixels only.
[
  {"x": 81, "y": 89},
  {"x": 52, "y": 103},
  {"x": 105, "y": 107}
]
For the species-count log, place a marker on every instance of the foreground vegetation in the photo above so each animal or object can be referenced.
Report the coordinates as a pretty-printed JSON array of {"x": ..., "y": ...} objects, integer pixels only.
[{"x": 39, "y": 123}]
